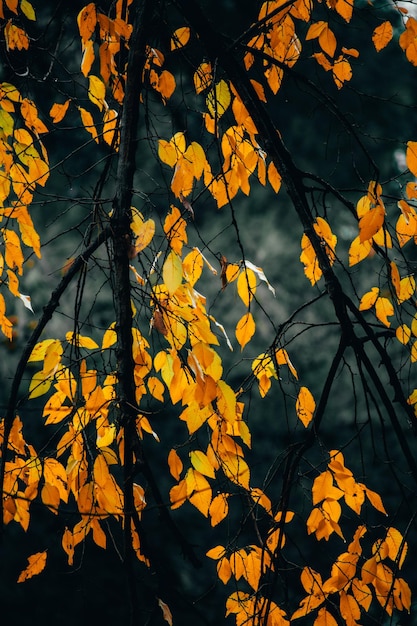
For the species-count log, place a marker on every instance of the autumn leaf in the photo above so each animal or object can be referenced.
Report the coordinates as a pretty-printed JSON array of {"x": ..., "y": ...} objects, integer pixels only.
[
  {"x": 245, "y": 329},
  {"x": 382, "y": 35},
  {"x": 36, "y": 564},
  {"x": 58, "y": 111},
  {"x": 180, "y": 37},
  {"x": 305, "y": 406},
  {"x": 218, "y": 100}
]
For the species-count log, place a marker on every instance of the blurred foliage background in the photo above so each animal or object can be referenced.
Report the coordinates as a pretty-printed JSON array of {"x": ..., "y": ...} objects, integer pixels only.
[{"x": 380, "y": 102}]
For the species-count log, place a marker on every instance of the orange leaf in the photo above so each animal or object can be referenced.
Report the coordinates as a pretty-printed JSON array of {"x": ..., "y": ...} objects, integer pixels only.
[
  {"x": 382, "y": 35},
  {"x": 180, "y": 37},
  {"x": 87, "y": 20},
  {"x": 175, "y": 464},
  {"x": 36, "y": 564},
  {"x": 219, "y": 508},
  {"x": 342, "y": 71},
  {"x": 58, "y": 111},
  {"x": 203, "y": 77},
  {"x": 305, "y": 406},
  {"x": 371, "y": 222},
  {"x": 411, "y": 157}
]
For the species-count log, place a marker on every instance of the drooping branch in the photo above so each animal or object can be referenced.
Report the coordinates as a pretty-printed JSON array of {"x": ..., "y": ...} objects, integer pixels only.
[{"x": 48, "y": 311}]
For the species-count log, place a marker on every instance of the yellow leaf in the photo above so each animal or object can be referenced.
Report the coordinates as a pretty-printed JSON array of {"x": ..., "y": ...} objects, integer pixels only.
[
  {"x": 50, "y": 497},
  {"x": 27, "y": 9},
  {"x": 219, "y": 509},
  {"x": 383, "y": 310},
  {"x": 349, "y": 609},
  {"x": 172, "y": 272},
  {"x": 96, "y": 91},
  {"x": 81, "y": 341},
  {"x": 305, "y": 406},
  {"x": 180, "y": 37},
  {"x": 359, "y": 250},
  {"x": 324, "y": 618},
  {"x": 403, "y": 334},
  {"x": 406, "y": 289},
  {"x": 38, "y": 352},
  {"x": 218, "y": 99},
  {"x": 13, "y": 255},
  {"x": 274, "y": 177},
  {"x": 39, "y": 385},
  {"x": 236, "y": 469},
  {"x": 216, "y": 553},
  {"x": 198, "y": 491},
  {"x": 382, "y": 35},
  {"x": 109, "y": 337},
  {"x": 36, "y": 564},
  {"x": 368, "y": 299},
  {"x": 110, "y": 119},
  {"x": 371, "y": 222},
  {"x": 323, "y": 488},
  {"x": 397, "y": 547},
  {"x": 143, "y": 230},
  {"x": 201, "y": 463},
  {"x": 246, "y": 285},
  {"x": 87, "y": 120},
  {"x": 411, "y": 157},
  {"x": 245, "y": 329},
  {"x": 375, "y": 499}
]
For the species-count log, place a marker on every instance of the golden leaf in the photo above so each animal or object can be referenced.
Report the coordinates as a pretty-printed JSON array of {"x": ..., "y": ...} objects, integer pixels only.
[
  {"x": 87, "y": 20},
  {"x": 246, "y": 285},
  {"x": 245, "y": 329},
  {"x": 342, "y": 71},
  {"x": 36, "y": 564},
  {"x": 203, "y": 77},
  {"x": 96, "y": 91},
  {"x": 180, "y": 37},
  {"x": 218, "y": 100},
  {"x": 403, "y": 334},
  {"x": 371, "y": 222},
  {"x": 305, "y": 406},
  {"x": 201, "y": 463},
  {"x": 219, "y": 509},
  {"x": 81, "y": 341},
  {"x": 198, "y": 491},
  {"x": 58, "y": 111},
  {"x": 172, "y": 272},
  {"x": 87, "y": 120}
]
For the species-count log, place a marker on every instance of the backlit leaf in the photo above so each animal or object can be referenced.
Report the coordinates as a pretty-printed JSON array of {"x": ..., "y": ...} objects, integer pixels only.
[
  {"x": 175, "y": 464},
  {"x": 246, "y": 286},
  {"x": 411, "y": 157},
  {"x": 58, "y": 111},
  {"x": 203, "y": 77},
  {"x": 36, "y": 564},
  {"x": 180, "y": 37},
  {"x": 172, "y": 272},
  {"x": 218, "y": 100},
  {"x": 201, "y": 463},
  {"x": 305, "y": 406},
  {"x": 245, "y": 329},
  {"x": 382, "y": 35}
]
